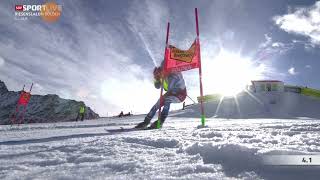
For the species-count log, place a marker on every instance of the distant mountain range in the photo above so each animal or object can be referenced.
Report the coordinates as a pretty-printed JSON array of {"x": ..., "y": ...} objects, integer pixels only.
[{"x": 47, "y": 108}]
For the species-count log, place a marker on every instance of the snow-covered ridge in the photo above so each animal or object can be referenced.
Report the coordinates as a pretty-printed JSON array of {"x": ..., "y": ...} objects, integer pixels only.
[{"x": 48, "y": 108}]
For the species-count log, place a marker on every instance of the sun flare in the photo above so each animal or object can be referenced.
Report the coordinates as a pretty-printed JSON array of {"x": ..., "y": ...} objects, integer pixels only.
[{"x": 228, "y": 73}]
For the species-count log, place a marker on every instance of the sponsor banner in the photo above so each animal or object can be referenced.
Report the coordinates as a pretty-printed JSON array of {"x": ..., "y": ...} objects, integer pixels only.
[
  {"x": 177, "y": 60},
  {"x": 181, "y": 55}
]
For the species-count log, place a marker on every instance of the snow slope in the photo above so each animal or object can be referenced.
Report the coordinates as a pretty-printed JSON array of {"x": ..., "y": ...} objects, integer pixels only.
[
  {"x": 229, "y": 148},
  {"x": 259, "y": 105}
]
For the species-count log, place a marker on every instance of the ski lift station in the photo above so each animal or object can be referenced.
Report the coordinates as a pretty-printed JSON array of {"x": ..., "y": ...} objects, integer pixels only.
[{"x": 267, "y": 85}]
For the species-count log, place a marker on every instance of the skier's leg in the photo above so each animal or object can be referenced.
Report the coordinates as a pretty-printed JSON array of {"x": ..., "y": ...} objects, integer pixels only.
[
  {"x": 165, "y": 111},
  {"x": 163, "y": 116},
  {"x": 77, "y": 117},
  {"x": 153, "y": 110},
  {"x": 149, "y": 116}
]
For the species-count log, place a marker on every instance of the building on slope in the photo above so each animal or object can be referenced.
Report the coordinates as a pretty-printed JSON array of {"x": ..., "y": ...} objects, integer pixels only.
[{"x": 266, "y": 85}]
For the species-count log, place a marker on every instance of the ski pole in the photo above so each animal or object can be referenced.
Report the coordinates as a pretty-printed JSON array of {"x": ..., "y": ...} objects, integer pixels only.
[{"x": 191, "y": 99}]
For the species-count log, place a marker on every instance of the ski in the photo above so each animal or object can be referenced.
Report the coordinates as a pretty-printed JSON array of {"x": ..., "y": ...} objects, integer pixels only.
[
  {"x": 126, "y": 129},
  {"x": 122, "y": 129}
]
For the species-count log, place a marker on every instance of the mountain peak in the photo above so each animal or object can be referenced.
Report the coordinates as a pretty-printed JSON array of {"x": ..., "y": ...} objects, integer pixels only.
[{"x": 3, "y": 87}]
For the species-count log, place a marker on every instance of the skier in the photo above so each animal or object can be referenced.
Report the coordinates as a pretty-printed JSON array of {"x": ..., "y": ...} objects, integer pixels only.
[
  {"x": 176, "y": 92},
  {"x": 81, "y": 113},
  {"x": 121, "y": 114}
]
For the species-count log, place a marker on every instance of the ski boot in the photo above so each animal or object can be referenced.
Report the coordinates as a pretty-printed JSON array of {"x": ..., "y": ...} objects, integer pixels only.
[
  {"x": 154, "y": 125},
  {"x": 143, "y": 124}
]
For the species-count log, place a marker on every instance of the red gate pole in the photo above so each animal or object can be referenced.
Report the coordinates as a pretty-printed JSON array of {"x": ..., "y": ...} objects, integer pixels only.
[
  {"x": 22, "y": 115},
  {"x": 14, "y": 116},
  {"x": 25, "y": 106},
  {"x": 162, "y": 78},
  {"x": 31, "y": 88},
  {"x": 203, "y": 117}
]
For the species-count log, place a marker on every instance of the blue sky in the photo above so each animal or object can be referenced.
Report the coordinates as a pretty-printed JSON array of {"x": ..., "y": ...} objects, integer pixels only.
[{"x": 103, "y": 52}]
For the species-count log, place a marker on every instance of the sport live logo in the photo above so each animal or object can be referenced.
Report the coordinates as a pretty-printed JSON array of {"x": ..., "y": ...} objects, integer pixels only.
[
  {"x": 29, "y": 7},
  {"x": 49, "y": 12},
  {"x": 19, "y": 7}
]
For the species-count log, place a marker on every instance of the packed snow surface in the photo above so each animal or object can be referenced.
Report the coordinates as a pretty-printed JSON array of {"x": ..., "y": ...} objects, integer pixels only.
[
  {"x": 226, "y": 149},
  {"x": 238, "y": 134}
]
